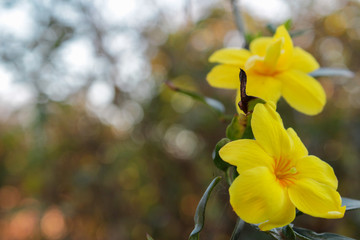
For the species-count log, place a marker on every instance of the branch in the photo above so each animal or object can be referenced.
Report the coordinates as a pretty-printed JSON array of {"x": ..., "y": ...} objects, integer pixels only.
[
  {"x": 245, "y": 99},
  {"x": 238, "y": 20}
]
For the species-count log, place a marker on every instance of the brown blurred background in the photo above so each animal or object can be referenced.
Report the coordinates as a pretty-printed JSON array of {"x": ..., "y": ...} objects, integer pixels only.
[{"x": 93, "y": 145}]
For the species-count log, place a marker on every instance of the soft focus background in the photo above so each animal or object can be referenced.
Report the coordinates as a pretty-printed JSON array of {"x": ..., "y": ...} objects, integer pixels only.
[{"x": 93, "y": 145}]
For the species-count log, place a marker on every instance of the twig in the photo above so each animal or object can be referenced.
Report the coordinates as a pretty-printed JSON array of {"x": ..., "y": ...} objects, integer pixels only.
[
  {"x": 244, "y": 98},
  {"x": 238, "y": 20}
]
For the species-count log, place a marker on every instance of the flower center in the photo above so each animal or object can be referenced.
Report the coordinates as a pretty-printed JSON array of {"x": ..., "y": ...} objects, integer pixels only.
[
  {"x": 284, "y": 171},
  {"x": 266, "y": 65}
]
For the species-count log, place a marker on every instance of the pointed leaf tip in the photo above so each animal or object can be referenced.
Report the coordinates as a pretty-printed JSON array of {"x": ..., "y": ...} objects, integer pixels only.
[
  {"x": 199, "y": 217},
  {"x": 351, "y": 204},
  {"x": 219, "y": 163}
]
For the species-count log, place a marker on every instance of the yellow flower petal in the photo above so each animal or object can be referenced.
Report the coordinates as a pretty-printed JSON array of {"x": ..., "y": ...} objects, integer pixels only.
[
  {"x": 232, "y": 56},
  {"x": 316, "y": 199},
  {"x": 269, "y": 131},
  {"x": 264, "y": 87},
  {"x": 287, "y": 48},
  {"x": 302, "y": 92},
  {"x": 303, "y": 61},
  {"x": 282, "y": 218},
  {"x": 259, "y": 45},
  {"x": 266, "y": 65},
  {"x": 237, "y": 100},
  {"x": 299, "y": 150},
  {"x": 256, "y": 196},
  {"x": 255, "y": 63},
  {"x": 224, "y": 76},
  {"x": 272, "y": 55},
  {"x": 314, "y": 168},
  {"x": 245, "y": 154}
]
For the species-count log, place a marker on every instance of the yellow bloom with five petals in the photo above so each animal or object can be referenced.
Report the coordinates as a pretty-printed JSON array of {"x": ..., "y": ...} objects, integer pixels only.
[
  {"x": 274, "y": 68},
  {"x": 277, "y": 175}
]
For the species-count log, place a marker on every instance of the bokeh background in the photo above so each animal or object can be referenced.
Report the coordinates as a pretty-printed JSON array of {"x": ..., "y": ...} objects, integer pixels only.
[{"x": 93, "y": 145}]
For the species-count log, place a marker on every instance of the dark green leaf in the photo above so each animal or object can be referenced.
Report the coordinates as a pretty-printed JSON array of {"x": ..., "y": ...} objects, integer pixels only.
[
  {"x": 217, "y": 106},
  {"x": 219, "y": 163},
  {"x": 351, "y": 204},
  {"x": 288, "y": 232},
  {"x": 148, "y": 237},
  {"x": 199, "y": 217},
  {"x": 306, "y": 234},
  {"x": 237, "y": 230},
  {"x": 236, "y": 128},
  {"x": 328, "y": 72}
]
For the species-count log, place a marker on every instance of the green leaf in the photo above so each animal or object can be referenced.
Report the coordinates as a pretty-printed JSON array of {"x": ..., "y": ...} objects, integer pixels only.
[
  {"x": 298, "y": 33},
  {"x": 251, "y": 37},
  {"x": 287, "y": 24},
  {"x": 328, "y": 72},
  {"x": 275, "y": 233},
  {"x": 231, "y": 173},
  {"x": 271, "y": 28},
  {"x": 236, "y": 128},
  {"x": 217, "y": 106},
  {"x": 288, "y": 233},
  {"x": 219, "y": 163},
  {"x": 306, "y": 234},
  {"x": 148, "y": 237},
  {"x": 237, "y": 230},
  {"x": 351, "y": 204},
  {"x": 253, "y": 103},
  {"x": 199, "y": 217},
  {"x": 248, "y": 134}
]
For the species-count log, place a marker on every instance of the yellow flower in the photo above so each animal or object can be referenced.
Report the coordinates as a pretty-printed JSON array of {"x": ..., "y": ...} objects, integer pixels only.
[
  {"x": 277, "y": 175},
  {"x": 274, "y": 68}
]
